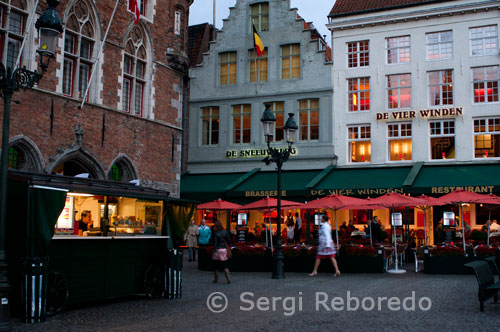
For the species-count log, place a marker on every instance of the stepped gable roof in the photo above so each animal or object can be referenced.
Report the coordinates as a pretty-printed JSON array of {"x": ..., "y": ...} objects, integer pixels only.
[{"x": 356, "y": 7}]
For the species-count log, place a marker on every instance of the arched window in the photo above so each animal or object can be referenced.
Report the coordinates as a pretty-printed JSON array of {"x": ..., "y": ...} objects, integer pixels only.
[
  {"x": 122, "y": 171},
  {"x": 16, "y": 158},
  {"x": 13, "y": 16},
  {"x": 135, "y": 69},
  {"x": 24, "y": 155},
  {"x": 78, "y": 162},
  {"x": 79, "y": 46}
]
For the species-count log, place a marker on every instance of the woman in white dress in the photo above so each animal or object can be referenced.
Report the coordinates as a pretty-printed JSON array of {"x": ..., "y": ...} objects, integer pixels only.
[{"x": 326, "y": 248}]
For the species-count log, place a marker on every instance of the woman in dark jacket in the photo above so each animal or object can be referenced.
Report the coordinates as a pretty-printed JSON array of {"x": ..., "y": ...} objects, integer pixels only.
[{"x": 219, "y": 239}]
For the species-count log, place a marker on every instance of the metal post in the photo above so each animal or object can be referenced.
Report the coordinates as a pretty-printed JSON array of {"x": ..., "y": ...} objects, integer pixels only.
[{"x": 278, "y": 270}]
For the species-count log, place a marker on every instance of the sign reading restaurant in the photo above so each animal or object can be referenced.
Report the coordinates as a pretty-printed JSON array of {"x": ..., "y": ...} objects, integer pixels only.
[
  {"x": 424, "y": 114},
  {"x": 253, "y": 153}
]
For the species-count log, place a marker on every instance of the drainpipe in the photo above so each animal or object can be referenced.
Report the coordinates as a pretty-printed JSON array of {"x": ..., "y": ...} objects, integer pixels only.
[{"x": 184, "y": 123}]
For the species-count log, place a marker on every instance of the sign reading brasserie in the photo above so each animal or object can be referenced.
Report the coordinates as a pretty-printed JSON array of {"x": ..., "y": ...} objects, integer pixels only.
[
  {"x": 424, "y": 114},
  {"x": 253, "y": 153}
]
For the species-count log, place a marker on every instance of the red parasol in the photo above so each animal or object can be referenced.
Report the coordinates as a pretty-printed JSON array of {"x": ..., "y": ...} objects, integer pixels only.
[
  {"x": 218, "y": 204},
  {"x": 491, "y": 200},
  {"x": 268, "y": 203}
]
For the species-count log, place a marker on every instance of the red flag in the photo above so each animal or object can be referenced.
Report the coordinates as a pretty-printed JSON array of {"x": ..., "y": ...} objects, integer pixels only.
[{"x": 134, "y": 7}]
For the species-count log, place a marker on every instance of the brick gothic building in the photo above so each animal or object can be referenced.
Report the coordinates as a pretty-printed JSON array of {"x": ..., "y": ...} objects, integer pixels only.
[{"x": 131, "y": 124}]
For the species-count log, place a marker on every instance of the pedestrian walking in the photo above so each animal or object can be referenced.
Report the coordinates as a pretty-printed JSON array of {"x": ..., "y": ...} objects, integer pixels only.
[
  {"x": 204, "y": 234},
  {"x": 326, "y": 248},
  {"x": 222, "y": 251},
  {"x": 190, "y": 237}
]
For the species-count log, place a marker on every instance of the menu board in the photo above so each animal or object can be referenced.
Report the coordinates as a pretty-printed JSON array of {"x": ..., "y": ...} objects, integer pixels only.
[
  {"x": 448, "y": 218},
  {"x": 66, "y": 218},
  {"x": 397, "y": 219}
]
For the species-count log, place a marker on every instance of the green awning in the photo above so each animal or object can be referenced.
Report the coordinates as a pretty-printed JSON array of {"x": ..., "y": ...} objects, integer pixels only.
[
  {"x": 362, "y": 181},
  {"x": 207, "y": 187},
  {"x": 442, "y": 179}
]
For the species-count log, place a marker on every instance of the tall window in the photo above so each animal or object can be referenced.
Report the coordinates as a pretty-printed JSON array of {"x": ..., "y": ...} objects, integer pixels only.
[
  {"x": 309, "y": 119},
  {"x": 442, "y": 134},
  {"x": 242, "y": 124},
  {"x": 484, "y": 40},
  {"x": 78, "y": 49},
  {"x": 485, "y": 84},
  {"x": 134, "y": 73},
  {"x": 177, "y": 23},
  {"x": 398, "y": 49},
  {"x": 440, "y": 85},
  {"x": 290, "y": 61},
  {"x": 210, "y": 125},
  {"x": 259, "y": 14},
  {"x": 487, "y": 138},
  {"x": 439, "y": 45},
  {"x": 358, "y": 94},
  {"x": 13, "y": 20},
  {"x": 278, "y": 108},
  {"x": 399, "y": 137},
  {"x": 258, "y": 66},
  {"x": 16, "y": 158},
  {"x": 359, "y": 140},
  {"x": 227, "y": 68},
  {"x": 358, "y": 54},
  {"x": 399, "y": 91}
]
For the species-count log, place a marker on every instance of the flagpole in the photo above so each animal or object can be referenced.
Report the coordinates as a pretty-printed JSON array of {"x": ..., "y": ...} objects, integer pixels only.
[{"x": 101, "y": 49}]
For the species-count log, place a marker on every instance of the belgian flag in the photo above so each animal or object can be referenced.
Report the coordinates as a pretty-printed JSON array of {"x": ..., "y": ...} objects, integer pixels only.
[{"x": 257, "y": 42}]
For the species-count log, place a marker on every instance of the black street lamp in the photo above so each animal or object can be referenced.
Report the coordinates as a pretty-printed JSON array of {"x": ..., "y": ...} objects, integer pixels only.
[
  {"x": 11, "y": 79},
  {"x": 278, "y": 156}
]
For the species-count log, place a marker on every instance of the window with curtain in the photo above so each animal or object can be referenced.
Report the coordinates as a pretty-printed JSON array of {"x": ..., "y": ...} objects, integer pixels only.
[
  {"x": 259, "y": 14},
  {"x": 439, "y": 45},
  {"x": 358, "y": 54},
  {"x": 290, "y": 61},
  {"x": 210, "y": 125},
  {"x": 399, "y": 91},
  {"x": 442, "y": 139},
  {"x": 358, "y": 94},
  {"x": 398, "y": 49},
  {"x": 309, "y": 119},
  {"x": 258, "y": 66},
  {"x": 359, "y": 141},
  {"x": 487, "y": 138},
  {"x": 399, "y": 137},
  {"x": 242, "y": 125},
  {"x": 13, "y": 16},
  {"x": 79, "y": 41},
  {"x": 227, "y": 68},
  {"x": 485, "y": 84},
  {"x": 440, "y": 84},
  {"x": 134, "y": 73}
]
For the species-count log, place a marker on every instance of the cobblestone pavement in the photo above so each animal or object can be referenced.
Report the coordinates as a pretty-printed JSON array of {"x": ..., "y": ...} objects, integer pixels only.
[{"x": 455, "y": 306}]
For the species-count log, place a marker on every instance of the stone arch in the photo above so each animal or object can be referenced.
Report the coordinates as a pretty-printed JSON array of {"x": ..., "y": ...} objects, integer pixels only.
[
  {"x": 122, "y": 169},
  {"x": 76, "y": 162},
  {"x": 29, "y": 157}
]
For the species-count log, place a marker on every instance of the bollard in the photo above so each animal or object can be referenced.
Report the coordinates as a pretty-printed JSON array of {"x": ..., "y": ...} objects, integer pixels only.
[
  {"x": 34, "y": 289},
  {"x": 173, "y": 279}
]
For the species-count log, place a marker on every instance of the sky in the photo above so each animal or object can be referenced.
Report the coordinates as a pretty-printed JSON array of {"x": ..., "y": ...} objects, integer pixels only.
[{"x": 311, "y": 10}]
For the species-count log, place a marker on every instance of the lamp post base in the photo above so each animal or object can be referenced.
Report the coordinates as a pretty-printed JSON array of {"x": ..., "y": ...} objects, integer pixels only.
[
  {"x": 278, "y": 264},
  {"x": 396, "y": 271}
]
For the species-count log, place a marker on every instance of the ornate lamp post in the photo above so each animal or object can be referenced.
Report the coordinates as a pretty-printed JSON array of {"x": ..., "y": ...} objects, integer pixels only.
[
  {"x": 11, "y": 79},
  {"x": 278, "y": 156}
]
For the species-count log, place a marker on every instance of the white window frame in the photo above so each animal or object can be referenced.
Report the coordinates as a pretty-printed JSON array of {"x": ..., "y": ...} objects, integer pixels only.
[
  {"x": 398, "y": 88},
  {"x": 254, "y": 60},
  {"x": 358, "y": 93},
  {"x": 441, "y": 45},
  {"x": 242, "y": 115},
  {"x": 291, "y": 56},
  {"x": 440, "y": 85},
  {"x": 177, "y": 22},
  {"x": 401, "y": 134},
  {"x": 309, "y": 110},
  {"x": 211, "y": 117},
  {"x": 10, "y": 52},
  {"x": 398, "y": 48},
  {"x": 258, "y": 17},
  {"x": 487, "y": 131},
  {"x": 358, "y": 52},
  {"x": 482, "y": 38},
  {"x": 350, "y": 140},
  {"x": 225, "y": 60},
  {"x": 441, "y": 134},
  {"x": 485, "y": 82},
  {"x": 278, "y": 126}
]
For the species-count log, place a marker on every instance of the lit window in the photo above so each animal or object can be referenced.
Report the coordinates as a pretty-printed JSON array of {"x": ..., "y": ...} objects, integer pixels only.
[
  {"x": 442, "y": 134},
  {"x": 177, "y": 23},
  {"x": 440, "y": 85},
  {"x": 485, "y": 84},
  {"x": 309, "y": 119},
  {"x": 78, "y": 50},
  {"x": 484, "y": 40},
  {"x": 399, "y": 91},
  {"x": 258, "y": 66},
  {"x": 358, "y": 54},
  {"x": 290, "y": 61},
  {"x": 278, "y": 108},
  {"x": 242, "y": 123},
  {"x": 399, "y": 137},
  {"x": 487, "y": 138},
  {"x": 227, "y": 68},
  {"x": 439, "y": 45},
  {"x": 210, "y": 125},
  {"x": 358, "y": 94},
  {"x": 259, "y": 14},
  {"x": 134, "y": 73},
  {"x": 398, "y": 49},
  {"x": 359, "y": 140},
  {"x": 11, "y": 34}
]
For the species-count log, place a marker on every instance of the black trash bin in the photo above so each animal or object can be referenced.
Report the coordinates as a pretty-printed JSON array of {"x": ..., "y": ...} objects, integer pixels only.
[
  {"x": 34, "y": 289},
  {"x": 174, "y": 274}
]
